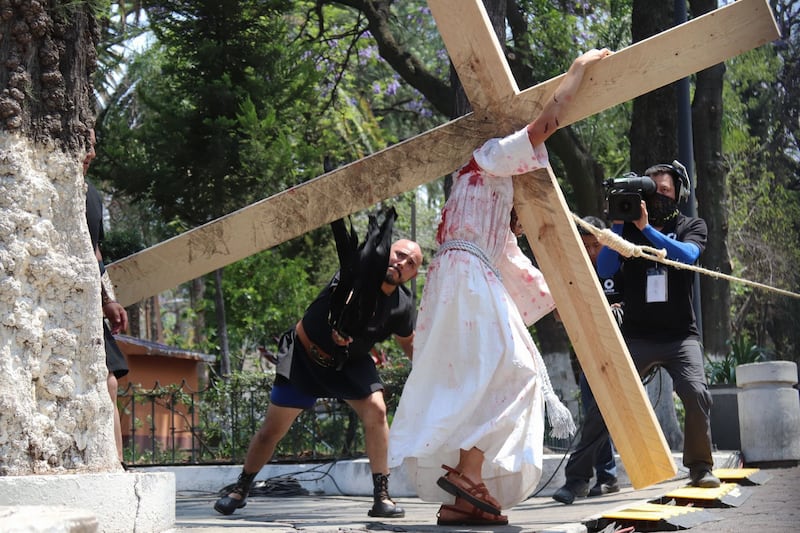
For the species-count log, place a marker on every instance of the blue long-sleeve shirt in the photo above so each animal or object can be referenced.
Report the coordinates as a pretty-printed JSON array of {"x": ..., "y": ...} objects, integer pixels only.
[{"x": 608, "y": 261}]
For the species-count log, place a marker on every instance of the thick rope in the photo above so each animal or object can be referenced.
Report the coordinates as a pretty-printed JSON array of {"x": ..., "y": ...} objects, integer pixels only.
[
  {"x": 561, "y": 423},
  {"x": 470, "y": 248},
  {"x": 628, "y": 249}
]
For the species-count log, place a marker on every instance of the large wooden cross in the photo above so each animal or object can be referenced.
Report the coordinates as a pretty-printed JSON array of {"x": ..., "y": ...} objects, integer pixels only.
[{"x": 499, "y": 108}]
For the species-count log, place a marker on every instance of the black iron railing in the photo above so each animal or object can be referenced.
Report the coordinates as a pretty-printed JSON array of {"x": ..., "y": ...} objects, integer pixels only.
[{"x": 175, "y": 425}]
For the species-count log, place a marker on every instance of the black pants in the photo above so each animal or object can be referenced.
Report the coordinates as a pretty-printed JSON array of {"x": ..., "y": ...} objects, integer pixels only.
[{"x": 683, "y": 360}]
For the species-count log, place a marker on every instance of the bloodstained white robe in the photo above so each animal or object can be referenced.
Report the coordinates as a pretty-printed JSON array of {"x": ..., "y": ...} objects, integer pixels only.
[{"x": 475, "y": 379}]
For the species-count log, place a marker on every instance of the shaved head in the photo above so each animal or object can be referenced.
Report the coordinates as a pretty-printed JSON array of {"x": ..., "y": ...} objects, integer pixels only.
[{"x": 405, "y": 258}]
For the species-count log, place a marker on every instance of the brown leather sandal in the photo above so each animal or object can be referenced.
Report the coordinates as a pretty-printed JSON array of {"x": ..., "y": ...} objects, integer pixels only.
[
  {"x": 452, "y": 515},
  {"x": 475, "y": 493}
]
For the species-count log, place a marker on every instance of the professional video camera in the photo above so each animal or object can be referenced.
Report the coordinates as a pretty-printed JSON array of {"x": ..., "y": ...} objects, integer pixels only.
[{"x": 624, "y": 196}]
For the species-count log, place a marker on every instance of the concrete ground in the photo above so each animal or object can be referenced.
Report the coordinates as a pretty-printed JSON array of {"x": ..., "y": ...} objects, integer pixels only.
[{"x": 772, "y": 506}]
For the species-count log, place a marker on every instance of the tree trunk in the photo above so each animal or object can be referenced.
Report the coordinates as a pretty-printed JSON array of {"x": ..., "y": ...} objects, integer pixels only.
[
  {"x": 659, "y": 390},
  {"x": 222, "y": 326},
  {"x": 582, "y": 171},
  {"x": 712, "y": 196},
  {"x": 56, "y": 413},
  {"x": 198, "y": 289},
  {"x": 654, "y": 139},
  {"x": 654, "y": 124}
]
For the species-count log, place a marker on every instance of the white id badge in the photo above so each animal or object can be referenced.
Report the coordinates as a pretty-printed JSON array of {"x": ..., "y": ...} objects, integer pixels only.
[{"x": 656, "y": 285}]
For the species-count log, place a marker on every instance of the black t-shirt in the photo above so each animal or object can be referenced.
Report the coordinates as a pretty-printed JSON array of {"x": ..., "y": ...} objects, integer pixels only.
[
  {"x": 94, "y": 214},
  {"x": 357, "y": 378},
  {"x": 395, "y": 315},
  {"x": 612, "y": 288},
  {"x": 675, "y": 318}
]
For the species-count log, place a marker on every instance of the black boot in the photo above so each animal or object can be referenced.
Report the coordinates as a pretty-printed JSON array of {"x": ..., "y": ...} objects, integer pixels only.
[
  {"x": 228, "y": 504},
  {"x": 383, "y": 506}
]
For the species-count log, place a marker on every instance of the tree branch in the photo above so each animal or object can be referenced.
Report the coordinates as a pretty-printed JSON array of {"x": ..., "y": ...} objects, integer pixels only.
[{"x": 377, "y": 12}]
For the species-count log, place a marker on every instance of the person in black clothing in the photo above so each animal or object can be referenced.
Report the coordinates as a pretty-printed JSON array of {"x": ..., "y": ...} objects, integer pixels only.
[
  {"x": 315, "y": 361},
  {"x": 659, "y": 327},
  {"x": 112, "y": 311},
  {"x": 605, "y": 466}
]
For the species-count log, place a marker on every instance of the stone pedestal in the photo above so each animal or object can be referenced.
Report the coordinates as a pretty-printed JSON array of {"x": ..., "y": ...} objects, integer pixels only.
[
  {"x": 121, "y": 502},
  {"x": 769, "y": 412}
]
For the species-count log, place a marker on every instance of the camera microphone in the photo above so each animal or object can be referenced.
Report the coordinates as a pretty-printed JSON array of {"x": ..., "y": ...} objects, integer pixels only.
[{"x": 641, "y": 184}]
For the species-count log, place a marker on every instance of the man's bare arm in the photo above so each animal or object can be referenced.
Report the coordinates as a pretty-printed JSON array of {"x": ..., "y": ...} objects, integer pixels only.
[{"x": 407, "y": 344}]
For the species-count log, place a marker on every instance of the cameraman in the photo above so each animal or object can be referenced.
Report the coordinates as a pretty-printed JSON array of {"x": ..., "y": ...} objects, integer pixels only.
[{"x": 659, "y": 326}]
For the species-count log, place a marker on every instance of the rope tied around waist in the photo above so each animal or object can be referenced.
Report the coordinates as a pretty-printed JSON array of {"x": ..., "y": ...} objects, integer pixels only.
[{"x": 470, "y": 248}]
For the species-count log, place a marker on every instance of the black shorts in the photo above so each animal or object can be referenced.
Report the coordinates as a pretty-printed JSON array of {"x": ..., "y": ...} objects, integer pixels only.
[
  {"x": 356, "y": 380},
  {"x": 115, "y": 359}
]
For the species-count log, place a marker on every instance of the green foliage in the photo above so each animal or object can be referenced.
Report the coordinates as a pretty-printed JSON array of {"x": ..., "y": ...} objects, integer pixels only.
[
  {"x": 764, "y": 211},
  {"x": 394, "y": 373},
  {"x": 121, "y": 243},
  {"x": 741, "y": 352},
  {"x": 217, "y": 111},
  {"x": 265, "y": 294},
  {"x": 371, "y": 105},
  {"x": 230, "y": 413}
]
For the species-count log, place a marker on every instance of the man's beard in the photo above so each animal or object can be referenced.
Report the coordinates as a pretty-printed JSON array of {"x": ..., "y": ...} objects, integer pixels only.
[{"x": 390, "y": 278}]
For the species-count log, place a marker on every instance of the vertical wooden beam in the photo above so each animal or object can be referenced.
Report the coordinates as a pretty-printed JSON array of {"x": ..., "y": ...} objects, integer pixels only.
[
  {"x": 595, "y": 336},
  {"x": 475, "y": 52}
]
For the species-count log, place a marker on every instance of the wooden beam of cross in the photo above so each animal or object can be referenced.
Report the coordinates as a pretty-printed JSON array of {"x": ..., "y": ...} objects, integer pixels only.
[{"x": 642, "y": 67}]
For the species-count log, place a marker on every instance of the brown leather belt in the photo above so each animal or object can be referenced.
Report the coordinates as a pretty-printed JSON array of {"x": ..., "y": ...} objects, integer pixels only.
[{"x": 314, "y": 352}]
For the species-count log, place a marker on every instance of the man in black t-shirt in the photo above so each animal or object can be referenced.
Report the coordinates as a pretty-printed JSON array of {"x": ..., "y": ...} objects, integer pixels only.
[
  {"x": 605, "y": 466},
  {"x": 112, "y": 311},
  {"x": 315, "y": 361}
]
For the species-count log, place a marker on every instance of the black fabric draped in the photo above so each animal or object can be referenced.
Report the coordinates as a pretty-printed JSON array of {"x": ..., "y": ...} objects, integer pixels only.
[{"x": 362, "y": 271}]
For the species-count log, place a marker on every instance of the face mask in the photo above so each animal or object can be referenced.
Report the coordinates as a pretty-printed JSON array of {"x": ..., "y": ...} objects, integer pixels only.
[{"x": 661, "y": 209}]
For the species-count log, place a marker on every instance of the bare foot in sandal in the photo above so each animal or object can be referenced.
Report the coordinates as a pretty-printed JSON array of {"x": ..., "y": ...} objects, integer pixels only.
[
  {"x": 457, "y": 484},
  {"x": 464, "y": 513}
]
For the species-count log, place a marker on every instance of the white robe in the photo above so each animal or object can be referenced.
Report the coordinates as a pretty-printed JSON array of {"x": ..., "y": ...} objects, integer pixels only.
[{"x": 474, "y": 379}]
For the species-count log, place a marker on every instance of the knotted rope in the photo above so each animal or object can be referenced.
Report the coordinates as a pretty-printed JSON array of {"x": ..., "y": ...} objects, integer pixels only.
[
  {"x": 628, "y": 249},
  {"x": 470, "y": 248},
  {"x": 562, "y": 426}
]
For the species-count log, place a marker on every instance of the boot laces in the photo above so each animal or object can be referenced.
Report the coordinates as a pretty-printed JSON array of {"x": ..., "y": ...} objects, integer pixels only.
[
  {"x": 381, "y": 492},
  {"x": 243, "y": 484}
]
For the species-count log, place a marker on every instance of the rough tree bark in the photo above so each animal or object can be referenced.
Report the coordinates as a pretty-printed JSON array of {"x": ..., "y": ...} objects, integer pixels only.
[
  {"x": 55, "y": 412},
  {"x": 654, "y": 139},
  {"x": 712, "y": 197}
]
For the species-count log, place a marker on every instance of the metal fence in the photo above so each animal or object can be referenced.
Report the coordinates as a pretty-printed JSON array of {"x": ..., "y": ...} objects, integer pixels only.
[{"x": 175, "y": 425}]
